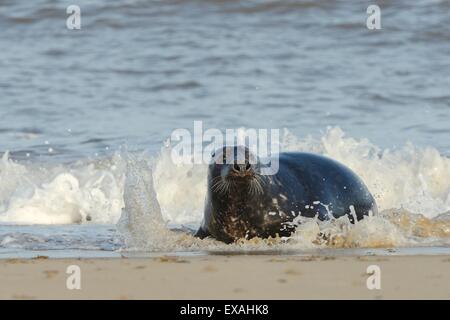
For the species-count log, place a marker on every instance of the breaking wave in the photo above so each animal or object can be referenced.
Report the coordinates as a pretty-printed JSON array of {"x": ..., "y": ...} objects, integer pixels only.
[{"x": 156, "y": 203}]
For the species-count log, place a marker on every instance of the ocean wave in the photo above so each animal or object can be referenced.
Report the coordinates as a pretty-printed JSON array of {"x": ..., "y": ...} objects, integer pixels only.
[
  {"x": 61, "y": 194},
  {"x": 411, "y": 185},
  {"x": 156, "y": 203},
  {"x": 416, "y": 179}
]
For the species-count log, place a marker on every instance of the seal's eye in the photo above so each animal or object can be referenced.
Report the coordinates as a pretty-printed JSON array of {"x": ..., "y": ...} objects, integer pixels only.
[
  {"x": 236, "y": 167},
  {"x": 247, "y": 166}
]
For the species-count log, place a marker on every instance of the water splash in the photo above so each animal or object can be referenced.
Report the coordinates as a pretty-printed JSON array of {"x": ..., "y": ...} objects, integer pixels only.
[
  {"x": 408, "y": 183},
  {"x": 412, "y": 178},
  {"x": 157, "y": 204}
]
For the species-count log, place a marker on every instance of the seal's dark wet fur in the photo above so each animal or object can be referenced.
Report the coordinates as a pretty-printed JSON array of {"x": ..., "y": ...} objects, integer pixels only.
[{"x": 242, "y": 203}]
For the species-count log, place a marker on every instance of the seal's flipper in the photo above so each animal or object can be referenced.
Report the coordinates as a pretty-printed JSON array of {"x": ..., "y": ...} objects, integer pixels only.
[{"x": 202, "y": 234}]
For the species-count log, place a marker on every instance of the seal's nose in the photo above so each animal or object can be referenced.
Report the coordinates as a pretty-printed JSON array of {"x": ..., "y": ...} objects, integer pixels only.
[
  {"x": 236, "y": 168},
  {"x": 242, "y": 168}
]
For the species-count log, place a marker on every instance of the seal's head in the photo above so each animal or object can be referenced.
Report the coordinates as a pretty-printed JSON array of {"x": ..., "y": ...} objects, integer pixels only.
[
  {"x": 235, "y": 170},
  {"x": 236, "y": 195}
]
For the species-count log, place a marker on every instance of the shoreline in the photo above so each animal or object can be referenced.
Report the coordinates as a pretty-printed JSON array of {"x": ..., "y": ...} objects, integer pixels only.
[
  {"x": 321, "y": 252},
  {"x": 228, "y": 277}
]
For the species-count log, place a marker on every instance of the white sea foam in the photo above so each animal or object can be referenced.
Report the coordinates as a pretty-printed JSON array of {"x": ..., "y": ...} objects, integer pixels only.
[
  {"x": 32, "y": 194},
  {"x": 152, "y": 193}
]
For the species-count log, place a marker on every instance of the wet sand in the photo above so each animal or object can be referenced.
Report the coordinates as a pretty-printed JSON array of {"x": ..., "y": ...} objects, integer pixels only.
[{"x": 228, "y": 277}]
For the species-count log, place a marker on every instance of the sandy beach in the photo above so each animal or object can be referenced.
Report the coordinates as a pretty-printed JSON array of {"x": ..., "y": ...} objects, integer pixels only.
[{"x": 228, "y": 277}]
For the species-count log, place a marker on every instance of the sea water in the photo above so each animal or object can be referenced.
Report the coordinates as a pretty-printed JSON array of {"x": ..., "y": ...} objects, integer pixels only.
[{"x": 85, "y": 114}]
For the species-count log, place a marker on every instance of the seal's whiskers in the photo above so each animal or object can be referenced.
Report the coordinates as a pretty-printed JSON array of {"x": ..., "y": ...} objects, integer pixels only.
[
  {"x": 220, "y": 185},
  {"x": 255, "y": 187}
]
